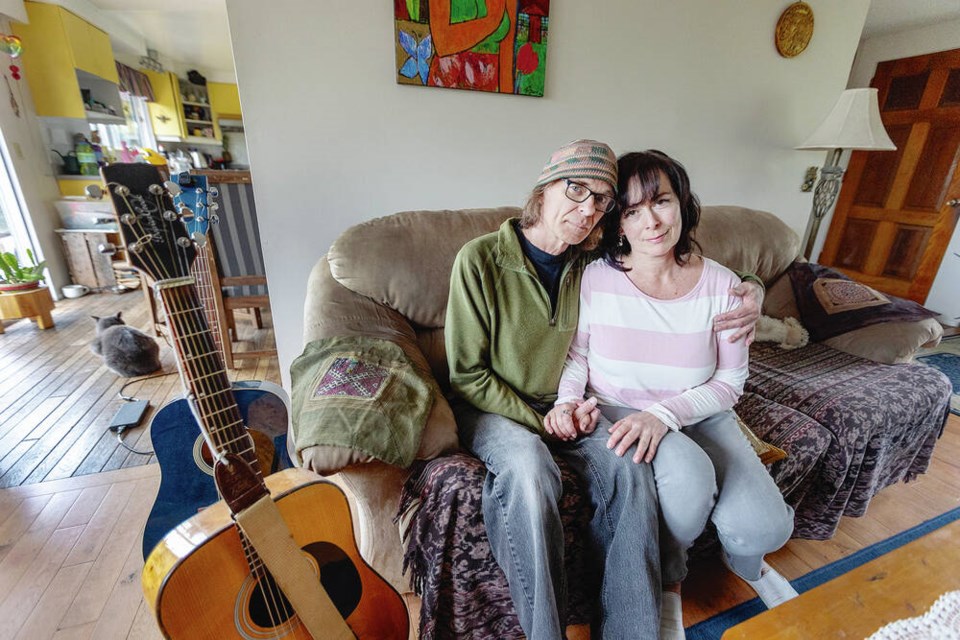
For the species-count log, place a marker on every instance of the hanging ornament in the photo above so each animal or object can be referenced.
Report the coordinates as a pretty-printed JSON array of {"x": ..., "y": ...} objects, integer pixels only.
[
  {"x": 11, "y": 45},
  {"x": 15, "y": 72}
]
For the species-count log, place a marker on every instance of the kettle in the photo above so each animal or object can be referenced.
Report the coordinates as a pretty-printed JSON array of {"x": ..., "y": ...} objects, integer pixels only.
[{"x": 71, "y": 164}]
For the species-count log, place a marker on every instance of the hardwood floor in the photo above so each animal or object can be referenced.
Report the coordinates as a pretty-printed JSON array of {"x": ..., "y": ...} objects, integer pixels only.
[
  {"x": 70, "y": 546},
  {"x": 57, "y": 397}
]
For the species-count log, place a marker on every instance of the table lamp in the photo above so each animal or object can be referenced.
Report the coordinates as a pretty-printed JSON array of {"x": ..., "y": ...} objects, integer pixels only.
[{"x": 853, "y": 124}]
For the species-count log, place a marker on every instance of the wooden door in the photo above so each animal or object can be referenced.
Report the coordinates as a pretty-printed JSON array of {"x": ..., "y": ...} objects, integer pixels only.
[{"x": 897, "y": 209}]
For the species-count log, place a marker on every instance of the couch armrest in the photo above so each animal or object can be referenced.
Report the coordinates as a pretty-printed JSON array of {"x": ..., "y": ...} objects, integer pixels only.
[
  {"x": 887, "y": 342},
  {"x": 332, "y": 310}
]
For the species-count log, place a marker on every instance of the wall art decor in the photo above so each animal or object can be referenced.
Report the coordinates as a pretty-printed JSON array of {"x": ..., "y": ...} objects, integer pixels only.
[{"x": 498, "y": 46}]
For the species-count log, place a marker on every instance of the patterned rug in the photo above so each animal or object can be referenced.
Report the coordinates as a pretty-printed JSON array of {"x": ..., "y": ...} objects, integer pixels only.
[{"x": 946, "y": 358}]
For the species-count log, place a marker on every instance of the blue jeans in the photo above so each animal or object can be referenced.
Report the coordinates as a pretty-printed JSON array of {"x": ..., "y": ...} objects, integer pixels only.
[
  {"x": 520, "y": 497},
  {"x": 709, "y": 470}
]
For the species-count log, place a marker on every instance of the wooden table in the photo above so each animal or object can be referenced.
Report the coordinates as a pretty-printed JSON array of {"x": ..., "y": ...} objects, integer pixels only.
[
  {"x": 901, "y": 584},
  {"x": 35, "y": 304}
]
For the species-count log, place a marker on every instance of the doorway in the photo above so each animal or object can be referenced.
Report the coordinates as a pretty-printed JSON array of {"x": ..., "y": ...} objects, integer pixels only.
[{"x": 897, "y": 210}]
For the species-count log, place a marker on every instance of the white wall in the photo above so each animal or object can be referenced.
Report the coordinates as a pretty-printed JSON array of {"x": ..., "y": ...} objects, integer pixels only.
[
  {"x": 893, "y": 46},
  {"x": 333, "y": 140}
]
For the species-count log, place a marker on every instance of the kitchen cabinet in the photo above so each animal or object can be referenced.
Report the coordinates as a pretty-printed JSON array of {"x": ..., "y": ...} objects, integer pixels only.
[
  {"x": 62, "y": 55},
  {"x": 225, "y": 101},
  {"x": 77, "y": 185},
  {"x": 87, "y": 265},
  {"x": 166, "y": 114},
  {"x": 181, "y": 111}
]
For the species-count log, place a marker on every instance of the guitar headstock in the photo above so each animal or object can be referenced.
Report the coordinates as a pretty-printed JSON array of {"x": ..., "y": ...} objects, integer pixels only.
[
  {"x": 155, "y": 238},
  {"x": 194, "y": 202}
]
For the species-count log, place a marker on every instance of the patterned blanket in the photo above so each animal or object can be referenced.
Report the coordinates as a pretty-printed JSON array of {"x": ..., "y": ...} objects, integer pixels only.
[{"x": 850, "y": 427}]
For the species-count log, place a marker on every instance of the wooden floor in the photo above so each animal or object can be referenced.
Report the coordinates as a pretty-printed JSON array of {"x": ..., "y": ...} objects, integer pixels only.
[
  {"x": 70, "y": 547},
  {"x": 57, "y": 397}
]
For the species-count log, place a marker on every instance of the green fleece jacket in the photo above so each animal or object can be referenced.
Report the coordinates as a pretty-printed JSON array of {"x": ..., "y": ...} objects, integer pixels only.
[{"x": 505, "y": 345}]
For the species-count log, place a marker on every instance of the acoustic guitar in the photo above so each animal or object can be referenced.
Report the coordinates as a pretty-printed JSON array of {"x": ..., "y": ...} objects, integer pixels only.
[
  {"x": 204, "y": 579},
  {"x": 186, "y": 463}
]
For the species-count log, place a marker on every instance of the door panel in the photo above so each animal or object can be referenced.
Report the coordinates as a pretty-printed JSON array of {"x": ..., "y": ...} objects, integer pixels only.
[{"x": 893, "y": 219}]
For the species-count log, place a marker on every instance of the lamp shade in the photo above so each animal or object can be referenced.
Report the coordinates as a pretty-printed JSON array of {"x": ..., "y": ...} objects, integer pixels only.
[{"x": 854, "y": 123}]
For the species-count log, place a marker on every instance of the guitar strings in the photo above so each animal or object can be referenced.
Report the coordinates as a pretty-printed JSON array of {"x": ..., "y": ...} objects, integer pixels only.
[{"x": 227, "y": 421}]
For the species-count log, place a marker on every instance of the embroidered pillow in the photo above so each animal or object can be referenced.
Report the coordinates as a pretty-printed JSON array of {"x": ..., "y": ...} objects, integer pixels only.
[{"x": 831, "y": 304}]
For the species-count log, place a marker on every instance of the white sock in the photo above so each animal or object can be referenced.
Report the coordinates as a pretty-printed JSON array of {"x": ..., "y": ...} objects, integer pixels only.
[{"x": 671, "y": 616}]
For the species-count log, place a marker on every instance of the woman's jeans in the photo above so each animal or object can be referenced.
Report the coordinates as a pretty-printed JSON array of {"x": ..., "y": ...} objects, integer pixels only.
[
  {"x": 709, "y": 470},
  {"x": 520, "y": 497}
]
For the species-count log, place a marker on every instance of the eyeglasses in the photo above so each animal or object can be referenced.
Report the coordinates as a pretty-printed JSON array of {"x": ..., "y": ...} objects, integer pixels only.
[{"x": 579, "y": 193}]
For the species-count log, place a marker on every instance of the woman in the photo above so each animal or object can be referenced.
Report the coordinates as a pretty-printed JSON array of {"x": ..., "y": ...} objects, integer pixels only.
[{"x": 666, "y": 380}]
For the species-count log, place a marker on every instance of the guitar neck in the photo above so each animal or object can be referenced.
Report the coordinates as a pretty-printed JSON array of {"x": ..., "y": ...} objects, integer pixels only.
[
  {"x": 203, "y": 372},
  {"x": 201, "y": 272}
]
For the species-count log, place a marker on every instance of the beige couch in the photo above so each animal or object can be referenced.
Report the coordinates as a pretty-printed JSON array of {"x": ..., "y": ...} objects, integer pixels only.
[{"x": 389, "y": 278}]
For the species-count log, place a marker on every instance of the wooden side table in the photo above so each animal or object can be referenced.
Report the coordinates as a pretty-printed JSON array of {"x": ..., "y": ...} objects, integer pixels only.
[{"x": 35, "y": 304}]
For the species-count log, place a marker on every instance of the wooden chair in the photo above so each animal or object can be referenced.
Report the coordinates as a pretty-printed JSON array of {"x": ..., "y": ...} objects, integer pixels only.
[{"x": 237, "y": 274}]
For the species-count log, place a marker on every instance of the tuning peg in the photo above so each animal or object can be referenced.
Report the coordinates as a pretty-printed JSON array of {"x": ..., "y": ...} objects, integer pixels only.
[
  {"x": 214, "y": 219},
  {"x": 134, "y": 247},
  {"x": 199, "y": 238},
  {"x": 186, "y": 212},
  {"x": 121, "y": 190},
  {"x": 169, "y": 215},
  {"x": 214, "y": 206},
  {"x": 107, "y": 248},
  {"x": 183, "y": 242},
  {"x": 214, "y": 192},
  {"x": 155, "y": 189},
  {"x": 128, "y": 219},
  {"x": 172, "y": 187}
]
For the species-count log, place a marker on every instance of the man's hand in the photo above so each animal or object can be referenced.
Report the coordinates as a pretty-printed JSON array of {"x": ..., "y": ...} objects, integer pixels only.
[
  {"x": 642, "y": 428},
  {"x": 743, "y": 318},
  {"x": 569, "y": 420}
]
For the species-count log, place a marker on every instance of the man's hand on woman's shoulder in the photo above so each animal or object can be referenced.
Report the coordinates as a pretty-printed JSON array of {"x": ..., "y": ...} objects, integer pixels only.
[{"x": 743, "y": 318}]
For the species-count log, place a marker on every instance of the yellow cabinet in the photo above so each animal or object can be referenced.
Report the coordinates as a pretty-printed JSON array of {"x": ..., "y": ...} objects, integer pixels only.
[
  {"x": 56, "y": 44},
  {"x": 166, "y": 112},
  {"x": 224, "y": 98}
]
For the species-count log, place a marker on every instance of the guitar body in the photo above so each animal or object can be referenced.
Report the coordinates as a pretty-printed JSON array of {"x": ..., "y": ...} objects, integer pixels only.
[
  {"x": 200, "y": 585},
  {"x": 186, "y": 465}
]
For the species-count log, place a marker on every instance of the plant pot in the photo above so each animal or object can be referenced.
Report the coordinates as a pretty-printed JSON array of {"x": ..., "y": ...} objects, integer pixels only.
[{"x": 19, "y": 286}]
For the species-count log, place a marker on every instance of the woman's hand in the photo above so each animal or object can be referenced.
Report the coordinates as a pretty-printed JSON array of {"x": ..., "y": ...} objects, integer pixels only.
[
  {"x": 642, "y": 428},
  {"x": 743, "y": 318},
  {"x": 569, "y": 420}
]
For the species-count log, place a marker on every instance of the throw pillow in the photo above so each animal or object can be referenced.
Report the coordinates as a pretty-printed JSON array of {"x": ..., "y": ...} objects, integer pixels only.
[
  {"x": 767, "y": 452},
  {"x": 830, "y": 303}
]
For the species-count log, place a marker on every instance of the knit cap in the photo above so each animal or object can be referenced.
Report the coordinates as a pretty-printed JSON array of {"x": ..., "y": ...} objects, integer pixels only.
[{"x": 582, "y": 159}]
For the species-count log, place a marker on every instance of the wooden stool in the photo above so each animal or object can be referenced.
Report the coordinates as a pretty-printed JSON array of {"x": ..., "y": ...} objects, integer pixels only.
[{"x": 35, "y": 304}]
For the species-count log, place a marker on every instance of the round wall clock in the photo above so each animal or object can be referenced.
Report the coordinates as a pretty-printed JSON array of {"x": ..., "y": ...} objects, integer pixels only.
[{"x": 794, "y": 29}]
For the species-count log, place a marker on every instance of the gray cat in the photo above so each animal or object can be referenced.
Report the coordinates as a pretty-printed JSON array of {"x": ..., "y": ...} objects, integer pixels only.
[{"x": 126, "y": 351}]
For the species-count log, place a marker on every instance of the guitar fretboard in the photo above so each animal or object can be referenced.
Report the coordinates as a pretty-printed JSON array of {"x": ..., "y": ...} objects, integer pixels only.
[{"x": 203, "y": 372}]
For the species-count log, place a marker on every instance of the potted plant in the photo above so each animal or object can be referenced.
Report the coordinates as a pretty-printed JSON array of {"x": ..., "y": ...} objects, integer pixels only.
[{"x": 17, "y": 277}]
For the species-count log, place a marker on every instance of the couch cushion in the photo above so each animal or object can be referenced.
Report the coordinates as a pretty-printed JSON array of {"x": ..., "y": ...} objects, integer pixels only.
[
  {"x": 744, "y": 239},
  {"x": 404, "y": 260}
]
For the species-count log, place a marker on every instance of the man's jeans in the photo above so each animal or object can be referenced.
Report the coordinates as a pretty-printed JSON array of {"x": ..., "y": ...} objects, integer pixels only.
[{"x": 520, "y": 497}]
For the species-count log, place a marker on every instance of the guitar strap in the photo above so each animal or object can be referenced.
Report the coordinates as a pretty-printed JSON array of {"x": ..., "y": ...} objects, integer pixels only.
[{"x": 264, "y": 526}]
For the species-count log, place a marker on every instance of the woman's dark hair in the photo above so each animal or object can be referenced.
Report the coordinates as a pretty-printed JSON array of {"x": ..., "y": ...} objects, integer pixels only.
[{"x": 643, "y": 168}]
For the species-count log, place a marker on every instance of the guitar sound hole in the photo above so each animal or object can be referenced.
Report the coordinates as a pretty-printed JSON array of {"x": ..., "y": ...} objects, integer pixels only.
[
  {"x": 338, "y": 576},
  {"x": 268, "y": 606}
]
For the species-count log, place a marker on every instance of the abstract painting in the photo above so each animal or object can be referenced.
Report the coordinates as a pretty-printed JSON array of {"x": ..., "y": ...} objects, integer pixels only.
[{"x": 498, "y": 46}]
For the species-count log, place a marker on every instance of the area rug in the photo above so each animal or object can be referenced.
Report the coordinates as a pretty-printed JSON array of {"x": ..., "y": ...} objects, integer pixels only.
[
  {"x": 713, "y": 628},
  {"x": 946, "y": 358}
]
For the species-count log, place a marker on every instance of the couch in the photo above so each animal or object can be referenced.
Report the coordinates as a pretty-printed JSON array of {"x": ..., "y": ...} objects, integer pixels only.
[{"x": 850, "y": 420}]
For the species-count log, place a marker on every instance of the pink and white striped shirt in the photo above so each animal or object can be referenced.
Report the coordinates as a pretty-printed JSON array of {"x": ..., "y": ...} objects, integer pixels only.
[{"x": 660, "y": 356}]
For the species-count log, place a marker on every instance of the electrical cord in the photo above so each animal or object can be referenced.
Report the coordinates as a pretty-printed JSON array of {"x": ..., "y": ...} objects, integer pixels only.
[{"x": 134, "y": 399}]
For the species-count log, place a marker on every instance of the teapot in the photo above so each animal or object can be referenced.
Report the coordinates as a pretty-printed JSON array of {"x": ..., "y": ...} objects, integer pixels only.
[{"x": 71, "y": 164}]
